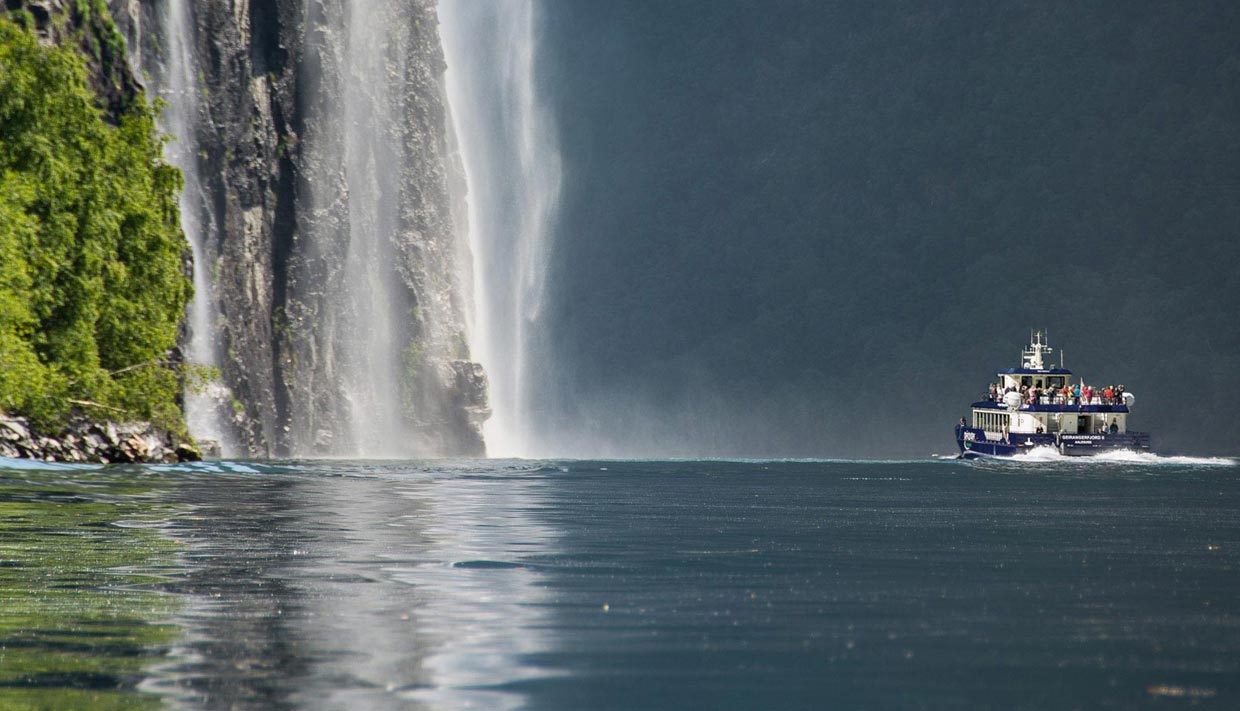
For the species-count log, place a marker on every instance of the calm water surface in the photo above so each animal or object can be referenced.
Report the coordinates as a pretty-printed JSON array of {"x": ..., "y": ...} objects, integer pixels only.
[{"x": 621, "y": 585}]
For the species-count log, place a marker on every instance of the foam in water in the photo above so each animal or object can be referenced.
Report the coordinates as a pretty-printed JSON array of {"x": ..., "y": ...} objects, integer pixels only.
[
  {"x": 512, "y": 165},
  {"x": 1150, "y": 458},
  {"x": 1050, "y": 454}
]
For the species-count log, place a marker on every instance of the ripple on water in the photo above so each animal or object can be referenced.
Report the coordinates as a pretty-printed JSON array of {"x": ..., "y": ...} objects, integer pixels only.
[{"x": 654, "y": 584}]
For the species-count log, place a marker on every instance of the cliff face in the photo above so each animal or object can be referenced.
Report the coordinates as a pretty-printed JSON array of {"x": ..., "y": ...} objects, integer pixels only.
[
  {"x": 324, "y": 226},
  {"x": 96, "y": 38}
]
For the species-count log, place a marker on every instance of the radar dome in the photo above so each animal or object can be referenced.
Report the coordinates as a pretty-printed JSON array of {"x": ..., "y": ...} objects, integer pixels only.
[{"x": 1012, "y": 400}]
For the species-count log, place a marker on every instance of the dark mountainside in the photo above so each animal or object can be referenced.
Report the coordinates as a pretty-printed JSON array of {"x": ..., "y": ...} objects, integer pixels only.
[{"x": 801, "y": 228}]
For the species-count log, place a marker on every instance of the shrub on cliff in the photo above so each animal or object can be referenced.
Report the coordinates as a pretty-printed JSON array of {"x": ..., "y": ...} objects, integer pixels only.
[{"x": 92, "y": 277}]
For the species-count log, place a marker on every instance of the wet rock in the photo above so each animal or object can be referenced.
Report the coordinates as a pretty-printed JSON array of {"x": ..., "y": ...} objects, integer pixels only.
[
  {"x": 323, "y": 441},
  {"x": 209, "y": 449},
  {"x": 88, "y": 441},
  {"x": 13, "y": 430}
]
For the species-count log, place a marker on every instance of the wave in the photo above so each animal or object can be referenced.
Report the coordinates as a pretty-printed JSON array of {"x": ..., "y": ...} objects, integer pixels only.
[
  {"x": 1150, "y": 458},
  {"x": 39, "y": 465},
  {"x": 1050, "y": 454}
]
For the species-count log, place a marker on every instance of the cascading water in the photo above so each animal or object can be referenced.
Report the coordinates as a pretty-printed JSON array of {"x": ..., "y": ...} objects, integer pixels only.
[
  {"x": 356, "y": 42},
  {"x": 175, "y": 80},
  {"x": 381, "y": 363},
  {"x": 512, "y": 167}
]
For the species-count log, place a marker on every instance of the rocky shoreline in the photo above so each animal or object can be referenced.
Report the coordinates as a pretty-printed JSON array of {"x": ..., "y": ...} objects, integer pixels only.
[{"x": 94, "y": 442}]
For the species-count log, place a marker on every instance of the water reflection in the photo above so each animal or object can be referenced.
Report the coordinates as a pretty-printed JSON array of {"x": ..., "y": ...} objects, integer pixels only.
[
  {"x": 360, "y": 587},
  {"x": 235, "y": 650},
  {"x": 614, "y": 585},
  {"x": 81, "y": 618}
]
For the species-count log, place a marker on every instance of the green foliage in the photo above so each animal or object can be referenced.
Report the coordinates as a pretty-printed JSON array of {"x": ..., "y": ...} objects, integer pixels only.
[{"x": 92, "y": 281}]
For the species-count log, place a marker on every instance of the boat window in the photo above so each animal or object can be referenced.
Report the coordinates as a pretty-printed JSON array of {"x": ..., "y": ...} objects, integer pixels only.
[
  {"x": 1056, "y": 381},
  {"x": 1026, "y": 381}
]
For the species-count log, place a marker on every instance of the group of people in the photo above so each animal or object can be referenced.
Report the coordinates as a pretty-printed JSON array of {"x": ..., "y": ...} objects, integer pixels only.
[{"x": 1079, "y": 394}]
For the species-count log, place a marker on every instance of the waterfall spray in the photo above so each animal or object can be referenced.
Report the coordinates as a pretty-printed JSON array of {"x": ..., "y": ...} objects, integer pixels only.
[
  {"x": 176, "y": 82},
  {"x": 512, "y": 167},
  {"x": 379, "y": 359}
]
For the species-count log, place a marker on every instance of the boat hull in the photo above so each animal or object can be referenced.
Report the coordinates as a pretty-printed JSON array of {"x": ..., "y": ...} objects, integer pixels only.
[{"x": 974, "y": 442}]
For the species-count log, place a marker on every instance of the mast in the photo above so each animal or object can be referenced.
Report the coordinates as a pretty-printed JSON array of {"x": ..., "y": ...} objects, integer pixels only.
[{"x": 1034, "y": 356}]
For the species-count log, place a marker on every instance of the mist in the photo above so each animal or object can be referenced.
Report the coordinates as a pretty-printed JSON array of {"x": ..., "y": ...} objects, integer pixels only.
[{"x": 797, "y": 229}]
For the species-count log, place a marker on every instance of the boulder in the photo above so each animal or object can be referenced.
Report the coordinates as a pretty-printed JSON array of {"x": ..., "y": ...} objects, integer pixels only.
[{"x": 89, "y": 441}]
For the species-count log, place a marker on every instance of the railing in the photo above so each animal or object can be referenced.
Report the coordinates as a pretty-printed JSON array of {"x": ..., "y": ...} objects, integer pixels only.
[{"x": 1060, "y": 400}]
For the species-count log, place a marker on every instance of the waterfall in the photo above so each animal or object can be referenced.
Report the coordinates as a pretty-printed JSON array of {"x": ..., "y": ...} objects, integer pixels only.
[
  {"x": 175, "y": 80},
  {"x": 353, "y": 151},
  {"x": 382, "y": 361},
  {"x": 512, "y": 166},
  {"x": 372, "y": 378}
]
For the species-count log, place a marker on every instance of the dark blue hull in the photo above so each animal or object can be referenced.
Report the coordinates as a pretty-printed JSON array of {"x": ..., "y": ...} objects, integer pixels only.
[{"x": 973, "y": 442}]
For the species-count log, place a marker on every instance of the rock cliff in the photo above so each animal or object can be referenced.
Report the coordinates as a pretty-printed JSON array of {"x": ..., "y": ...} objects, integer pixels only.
[{"x": 284, "y": 224}]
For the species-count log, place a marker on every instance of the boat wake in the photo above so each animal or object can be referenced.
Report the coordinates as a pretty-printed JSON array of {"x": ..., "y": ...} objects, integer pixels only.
[{"x": 1050, "y": 454}]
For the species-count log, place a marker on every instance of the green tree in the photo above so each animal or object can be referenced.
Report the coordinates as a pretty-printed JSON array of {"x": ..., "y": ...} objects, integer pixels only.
[{"x": 92, "y": 277}]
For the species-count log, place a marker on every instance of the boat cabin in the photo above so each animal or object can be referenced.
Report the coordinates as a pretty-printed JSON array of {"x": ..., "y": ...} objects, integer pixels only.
[{"x": 1030, "y": 399}]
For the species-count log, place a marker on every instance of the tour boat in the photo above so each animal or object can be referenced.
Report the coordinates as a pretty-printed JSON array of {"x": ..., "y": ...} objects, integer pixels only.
[{"x": 1037, "y": 405}]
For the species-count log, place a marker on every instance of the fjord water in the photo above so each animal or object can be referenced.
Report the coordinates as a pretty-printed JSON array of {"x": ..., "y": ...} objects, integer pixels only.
[{"x": 621, "y": 585}]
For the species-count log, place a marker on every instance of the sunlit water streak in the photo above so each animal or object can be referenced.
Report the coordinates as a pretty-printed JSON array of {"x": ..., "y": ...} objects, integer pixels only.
[
  {"x": 636, "y": 584},
  {"x": 512, "y": 163}
]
